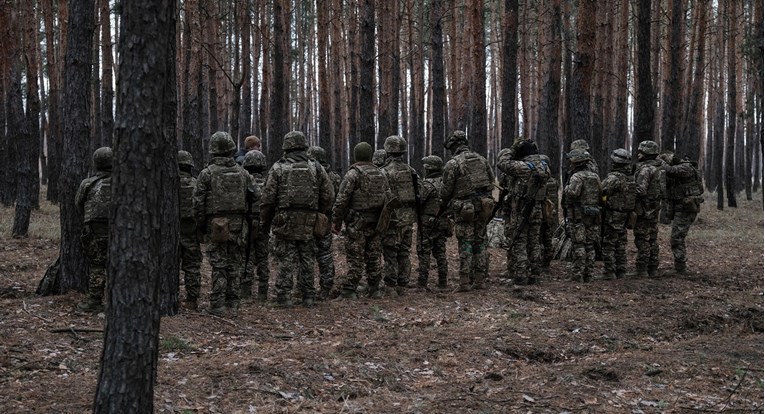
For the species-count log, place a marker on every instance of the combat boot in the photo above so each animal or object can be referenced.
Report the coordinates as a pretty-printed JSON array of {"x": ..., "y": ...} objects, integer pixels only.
[
  {"x": 464, "y": 288},
  {"x": 218, "y": 310},
  {"x": 283, "y": 302},
  {"x": 609, "y": 276},
  {"x": 308, "y": 302},
  {"x": 351, "y": 294},
  {"x": 638, "y": 274},
  {"x": 375, "y": 294}
]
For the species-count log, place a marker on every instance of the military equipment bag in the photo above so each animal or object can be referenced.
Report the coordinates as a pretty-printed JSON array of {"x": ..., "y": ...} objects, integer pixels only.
[
  {"x": 370, "y": 195},
  {"x": 299, "y": 186},
  {"x": 98, "y": 200},
  {"x": 473, "y": 175},
  {"x": 228, "y": 189}
]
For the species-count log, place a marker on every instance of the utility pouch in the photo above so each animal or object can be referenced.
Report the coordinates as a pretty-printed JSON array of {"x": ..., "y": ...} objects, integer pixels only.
[
  {"x": 219, "y": 230},
  {"x": 321, "y": 227}
]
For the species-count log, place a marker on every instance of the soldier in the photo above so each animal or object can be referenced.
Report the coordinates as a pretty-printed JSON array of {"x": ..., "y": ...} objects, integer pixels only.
[
  {"x": 528, "y": 175},
  {"x": 190, "y": 252},
  {"x": 93, "y": 200},
  {"x": 650, "y": 187},
  {"x": 397, "y": 242},
  {"x": 549, "y": 217},
  {"x": 251, "y": 143},
  {"x": 582, "y": 197},
  {"x": 220, "y": 203},
  {"x": 583, "y": 145},
  {"x": 296, "y": 197},
  {"x": 324, "y": 244},
  {"x": 684, "y": 190},
  {"x": 363, "y": 193},
  {"x": 255, "y": 164},
  {"x": 619, "y": 202},
  {"x": 435, "y": 229},
  {"x": 467, "y": 184},
  {"x": 378, "y": 158},
  {"x": 506, "y": 182}
]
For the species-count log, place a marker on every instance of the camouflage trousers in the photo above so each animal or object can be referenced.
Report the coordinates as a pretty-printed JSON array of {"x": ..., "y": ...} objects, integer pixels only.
[
  {"x": 433, "y": 243},
  {"x": 584, "y": 234},
  {"x": 191, "y": 260},
  {"x": 95, "y": 245},
  {"x": 226, "y": 259},
  {"x": 646, "y": 233},
  {"x": 363, "y": 250},
  {"x": 546, "y": 231},
  {"x": 296, "y": 261},
  {"x": 397, "y": 245},
  {"x": 681, "y": 224},
  {"x": 258, "y": 263},
  {"x": 326, "y": 262},
  {"x": 474, "y": 259},
  {"x": 525, "y": 252},
  {"x": 615, "y": 243}
]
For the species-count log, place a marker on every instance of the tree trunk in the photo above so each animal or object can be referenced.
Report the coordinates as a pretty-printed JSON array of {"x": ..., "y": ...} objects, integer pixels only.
[
  {"x": 245, "y": 123},
  {"x": 477, "y": 119},
  {"x": 136, "y": 265},
  {"x": 76, "y": 116},
  {"x": 52, "y": 51},
  {"x": 107, "y": 79},
  {"x": 438, "y": 108},
  {"x": 325, "y": 134},
  {"x": 367, "y": 71},
  {"x": 673, "y": 83},
  {"x": 691, "y": 141},
  {"x": 95, "y": 86},
  {"x": 547, "y": 121},
  {"x": 644, "y": 102},
  {"x": 279, "y": 116},
  {"x": 620, "y": 134},
  {"x": 336, "y": 151},
  {"x": 583, "y": 68},
  {"x": 730, "y": 130}
]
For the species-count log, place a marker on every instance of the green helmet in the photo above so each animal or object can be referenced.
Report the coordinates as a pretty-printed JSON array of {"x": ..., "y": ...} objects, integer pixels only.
[
  {"x": 378, "y": 158},
  {"x": 254, "y": 159},
  {"x": 394, "y": 145},
  {"x": 457, "y": 138},
  {"x": 185, "y": 158},
  {"x": 102, "y": 159},
  {"x": 433, "y": 163},
  {"x": 362, "y": 152},
  {"x": 580, "y": 144},
  {"x": 318, "y": 154},
  {"x": 648, "y": 148},
  {"x": 621, "y": 156},
  {"x": 294, "y": 140},
  {"x": 505, "y": 152},
  {"x": 221, "y": 144},
  {"x": 578, "y": 156}
]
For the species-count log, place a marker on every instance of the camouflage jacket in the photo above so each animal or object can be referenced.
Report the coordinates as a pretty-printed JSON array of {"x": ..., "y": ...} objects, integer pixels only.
[
  {"x": 356, "y": 189},
  {"x": 93, "y": 197},
  {"x": 650, "y": 181},
  {"x": 399, "y": 175},
  {"x": 453, "y": 172},
  {"x": 521, "y": 173},
  {"x": 619, "y": 190},
  {"x": 583, "y": 189},
  {"x": 206, "y": 201},
  {"x": 683, "y": 180}
]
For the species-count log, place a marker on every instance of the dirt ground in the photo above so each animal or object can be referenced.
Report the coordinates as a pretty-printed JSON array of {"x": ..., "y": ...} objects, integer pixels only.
[{"x": 664, "y": 344}]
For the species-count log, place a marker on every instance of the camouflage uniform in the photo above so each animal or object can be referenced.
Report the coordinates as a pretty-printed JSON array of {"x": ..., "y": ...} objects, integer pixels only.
[
  {"x": 467, "y": 184},
  {"x": 219, "y": 208},
  {"x": 378, "y": 158},
  {"x": 435, "y": 229},
  {"x": 190, "y": 251},
  {"x": 684, "y": 190},
  {"x": 93, "y": 200},
  {"x": 397, "y": 242},
  {"x": 296, "y": 196},
  {"x": 650, "y": 185},
  {"x": 619, "y": 196},
  {"x": 549, "y": 217},
  {"x": 582, "y": 194},
  {"x": 255, "y": 163},
  {"x": 360, "y": 200},
  {"x": 528, "y": 174},
  {"x": 324, "y": 244}
]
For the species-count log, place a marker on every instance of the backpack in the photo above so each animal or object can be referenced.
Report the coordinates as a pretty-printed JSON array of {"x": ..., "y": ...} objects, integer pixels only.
[
  {"x": 401, "y": 183},
  {"x": 299, "y": 185},
  {"x": 473, "y": 175},
  {"x": 228, "y": 188},
  {"x": 98, "y": 200},
  {"x": 370, "y": 194},
  {"x": 624, "y": 198}
]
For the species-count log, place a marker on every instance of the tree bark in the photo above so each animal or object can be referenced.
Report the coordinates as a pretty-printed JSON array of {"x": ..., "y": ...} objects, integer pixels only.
[
  {"x": 438, "y": 106},
  {"x": 672, "y": 83},
  {"x": 547, "y": 120},
  {"x": 730, "y": 130},
  {"x": 644, "y": 102},
  {"x": 145, "y": 138},
  {"x": 52, "y": 50},
  {"x": 76, "y": 116},
  {"x": 279, "y": 116},
  {"x": 107, "y": 79},
  {"x": 325, "y": 134},
  {"x": 583, "y": 68},
  {"x": 691, "y": 141},
  {"x": 366, "y": 72},
  {"x": 477, "y": 125}
]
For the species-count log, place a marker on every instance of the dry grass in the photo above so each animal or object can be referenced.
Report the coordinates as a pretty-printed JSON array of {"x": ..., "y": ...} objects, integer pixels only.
[
  {"x": 735, "y": 223},
  {"x": 44, "y": 223}
]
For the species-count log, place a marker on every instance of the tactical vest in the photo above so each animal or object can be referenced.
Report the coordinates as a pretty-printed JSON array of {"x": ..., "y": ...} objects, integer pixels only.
[
  {"x": 590, "y": 195},
  {"x": 657, "y": 187},
  {"x": 370, "y": 194},
  {"x": 537, "y": 170},
  {"x": 98, "y": 200},
  {"x": 299, "y": 186},
  {"x": 472, "y": 174},
  {"x": 623, "y": 199},
  {"x": 185, "y": 196},
  {"x": 228, "y": 188},
  {"x": 432, "y": 204},
  {"x": 551, "y": 189},
  {"x": 683, "y": 187},
  {"x": 400, "y": 180}
]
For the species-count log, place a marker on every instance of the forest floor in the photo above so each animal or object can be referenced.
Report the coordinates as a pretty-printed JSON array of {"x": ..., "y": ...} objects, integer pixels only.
[{"x": 664, "y": 344}]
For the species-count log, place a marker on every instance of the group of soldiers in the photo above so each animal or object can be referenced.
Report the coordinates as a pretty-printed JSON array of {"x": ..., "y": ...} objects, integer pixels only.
[{"x": 247, "y": 213}]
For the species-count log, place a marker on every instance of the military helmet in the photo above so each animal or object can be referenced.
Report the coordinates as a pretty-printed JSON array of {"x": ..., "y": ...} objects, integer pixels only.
[
  {"x": 221, "y": 144},
  {"x": 362, "y": 152},
  {"x": 378, "y": 158},
  {"x": 648, "y": 148},
  {"x": 621, "y": 156},
  {"x": 578, "y": 156},
  {"x": 433, "y": 162},
  {"x": 185, "y": 158},
  {"x": 318, "y": 154},
  {"x": 254, "y": 159},
  {"x": 294, "y": 140},
  {"x": 456, "y": 138},
  {"x": 504, "y": 152},
  {"x": 394, "y": 144},
  {"x": 580, "y": 144},
  {"x": 526, "y": 148},
  {"x": 102, "y": 159}
]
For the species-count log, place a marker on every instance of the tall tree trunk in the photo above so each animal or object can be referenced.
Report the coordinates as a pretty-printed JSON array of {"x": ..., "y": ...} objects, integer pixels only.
[
  {"x": 338, "y": 141},
  {"x": 437, "y": 76},
  {"x": 96, "y": 140},
  {"x": 644, "y": 102},
  {"x": 354, "y": 41},
  {"x": 509, "y": 73},
  {"x": 367, "y": 71},
  {"x": 76, "y": 116},
  {"x": 547, "y": 121},
  {"x": 147, "y": 97},
  {"x": 691, "y": 141},
  {"x": 477, "y": 126},
  {"x": 325, "y": 133},
  {"x": 730, "y": 130},
  {"x": 245, "y": 123},
  {"x": 759, "y": 76},
  {"x": 107, "y": 79},
  {"x": 673, "y": 84},
  {"x": 278, "y": 125},
  {"x": 52, "y": 51},
  {"x": 620, "y": 134},
  {"x": 584, "y": 61}
]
